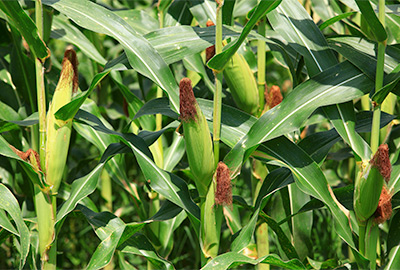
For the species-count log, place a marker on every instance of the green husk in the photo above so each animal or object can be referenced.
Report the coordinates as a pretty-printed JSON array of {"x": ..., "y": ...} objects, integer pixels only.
[
  {"x": 242, "y": 84},
  {"x": 199, "y": 148},
  {"x": 59, "y": 132},
  {"x": 367, "y": 191}
]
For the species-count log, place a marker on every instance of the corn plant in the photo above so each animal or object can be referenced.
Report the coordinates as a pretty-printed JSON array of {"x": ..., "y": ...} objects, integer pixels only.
[{"x": 199, "y": 134}]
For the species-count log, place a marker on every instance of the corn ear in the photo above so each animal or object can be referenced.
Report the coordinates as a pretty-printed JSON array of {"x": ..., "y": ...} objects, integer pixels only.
[
  {"x": 59, "y": 132},
  {"x": 242, "y": 84},
  {"x": 199, "y": 148},
  {"x": 368, "y": 186},
  {"x": 367, "y": 192}
]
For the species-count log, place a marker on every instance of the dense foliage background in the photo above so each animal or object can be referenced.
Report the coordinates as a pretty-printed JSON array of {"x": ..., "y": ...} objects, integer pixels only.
[{"x": 128, "y": 198}]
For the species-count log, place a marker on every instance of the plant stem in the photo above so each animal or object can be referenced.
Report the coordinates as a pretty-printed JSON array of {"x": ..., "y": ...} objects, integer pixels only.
[
  {"x": 45, "y": 204},
  {"x": 41, "y": 95},
  {"x": 378, "y": 82},
  {"x": 370, "y": 242},
  {"x": 218, "y": 86},
  {"x": 361, "y": 238},
  {"x": 261, "y": 48}
]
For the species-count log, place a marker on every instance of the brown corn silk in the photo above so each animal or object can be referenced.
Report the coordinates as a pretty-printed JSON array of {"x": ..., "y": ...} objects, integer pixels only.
[
  {"x": 273, "y": 96},
  {"x": 187, "y": 104},
  {"x": 26, "y": 155},
  {"x": 381, "y": 161},
  {"x": 223, "y": 193},
  {"x": 384, "y": 210},
  {"x": 210, "y": 51},
  {"x": 69, "y": 64}
]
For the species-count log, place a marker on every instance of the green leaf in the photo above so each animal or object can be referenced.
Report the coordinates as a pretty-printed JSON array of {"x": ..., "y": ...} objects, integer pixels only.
[
  {"x": 6, "y": 224},
  {"x": 295, "y": 25},
  {"x": 10, "y": 204},
  {"x": 338, "y": 84},
  {"x": 343, "y": 117},
  {"x": 5, "y": 150},
  {"x": 372, "y": 20},
  {"x": 68, "y": 111},
  {"x": 390, "y": 85},
  {"x": 285, "y": 243},
  {"x": 134, "y": 103},
  {"x": 174, "y": 153},
  {"x": 139, "y": 245},
  {"x": 155, "y": 106},
  {"x": 195, "y": 63},
  {"x": 394, "y": 258},
  {"x": 115, "y": 166},
  {"x": 62, "y": 29},
  {"x": 139, "y": 20},
  {"x": 310, "y": 179},
  {"x": 80, "y": 189},
  {"x": 232, "y": 259},
  {"x": 219, "y": 61},
  {"x": 110, "y": 229},
  {"x": 394, "y": 182},
  {"x": 335, "y": 19},
  {"x": 203, "y": 10},
  {"x": 227, "y": 12},
  {"x": 301, "y": 224},
  {"x": 361, "y": 53},
  {"x": 142, "y": 56},
  {"x": 17, "y": 17},
  {"x": 163, "y": 5},
  {"x": 169, "y": 185}
]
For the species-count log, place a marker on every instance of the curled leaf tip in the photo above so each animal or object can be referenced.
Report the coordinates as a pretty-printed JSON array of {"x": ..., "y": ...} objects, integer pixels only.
[
  {"x": 381, "y": 161},
  {"x": 384, "y": 210},
  {"x": 187, "y": 101},
  {"x": 223, "y": 193},
  {"x": 70, "y": 64},
  {"x": 273, "y": 96}
]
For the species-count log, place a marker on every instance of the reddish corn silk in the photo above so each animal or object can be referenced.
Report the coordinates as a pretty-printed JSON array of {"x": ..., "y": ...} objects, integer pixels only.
[
  {"x": 187, "y": 104},
  {"x": 381, "y": 161},
  {"x": 210, "y": 51},
  {"x": 273, "y": 96},
  {"x": 384, "y": 210},
  {"x": 223, "y": 193}
]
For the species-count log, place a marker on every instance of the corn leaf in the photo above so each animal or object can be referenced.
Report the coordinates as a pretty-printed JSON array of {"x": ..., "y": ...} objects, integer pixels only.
[
  {"x": 232, "y": 259},
  {"x": 115, "y": 166},
  {"x": 68, "y": 111},
  {"x": 62, "y": 29},
  {"x": 6, "y": 224},
  {"x": 110, "y": 229},
  {"x": 378, "y": 31},
  {"x": 167, "y": 184},
  {"x": 310, "y": 179},
  {"x": 344, "y": 114},
  {"x": 295, "y": 25},
  {"x": 393, "y": 243},
  {"x": 219, "y": 61},
  {"x": 139, "y": 245},
  {"x": 142, "y": 56},
  {"x": 5, "y": 150},
  {"x": 10, "y": 204},
  {"x": 19, "y": 19},
  {"x": 203, "y": 10}
]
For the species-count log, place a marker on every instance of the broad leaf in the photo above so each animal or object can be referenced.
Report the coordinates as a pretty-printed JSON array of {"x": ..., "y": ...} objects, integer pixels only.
[
  {"x": 10, "y": 204},
  {"x": 18, "y": 17},
  {"x": 219, "y": 61},
  {"x": 142, "y": 56},
  {"x": 378, "y": 30},
  {"x": 232, "y": 259}
]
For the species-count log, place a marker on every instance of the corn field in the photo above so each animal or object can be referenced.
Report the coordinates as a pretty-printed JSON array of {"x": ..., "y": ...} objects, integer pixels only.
[{"x": 199, "y": 134}]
